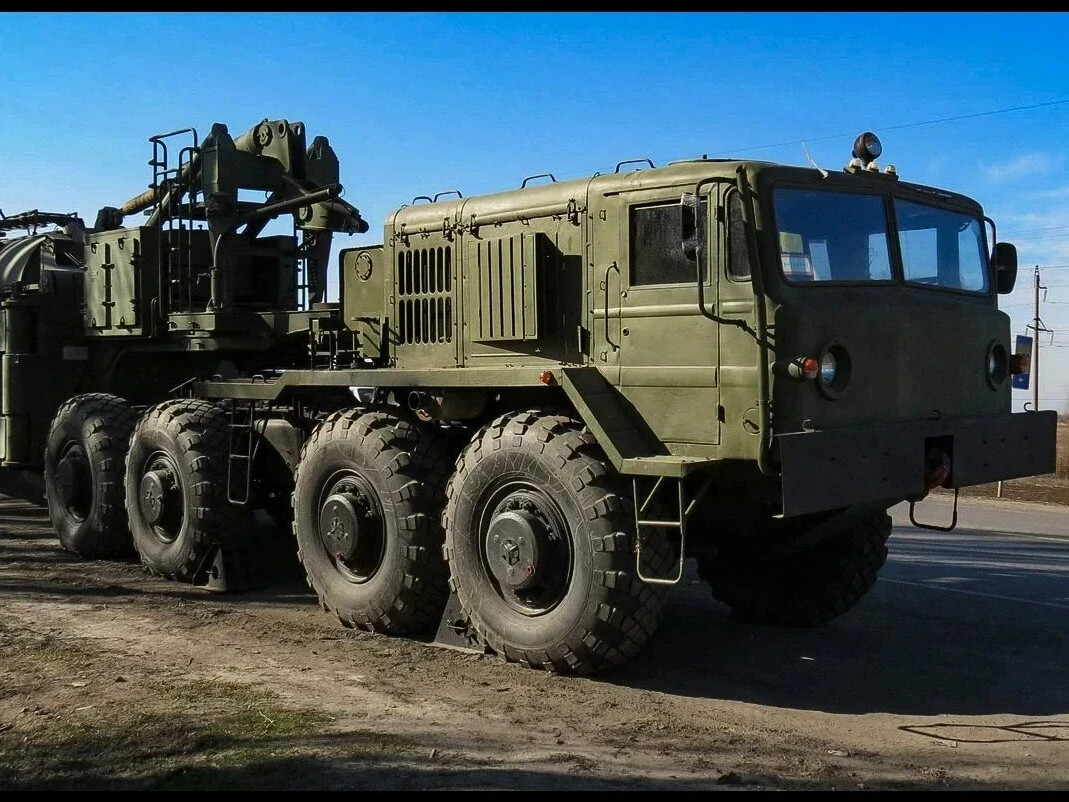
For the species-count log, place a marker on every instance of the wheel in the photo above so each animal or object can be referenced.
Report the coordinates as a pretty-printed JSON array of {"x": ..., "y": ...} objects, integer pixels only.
[
  {"x": 805, "y": 588},
  {"x": 84, "y": 456},
  {"x": 176, "y": 488},
  {"x": 367, "y": 499},
  {"x": 538, "y": 536}
]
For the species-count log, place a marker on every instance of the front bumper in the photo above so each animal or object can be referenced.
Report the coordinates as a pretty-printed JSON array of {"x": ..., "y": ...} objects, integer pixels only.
[{"x": 824, "y": 470}]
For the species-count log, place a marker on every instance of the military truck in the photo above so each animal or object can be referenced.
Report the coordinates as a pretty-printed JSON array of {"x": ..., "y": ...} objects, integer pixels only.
[{"x": 568, "y": 389}]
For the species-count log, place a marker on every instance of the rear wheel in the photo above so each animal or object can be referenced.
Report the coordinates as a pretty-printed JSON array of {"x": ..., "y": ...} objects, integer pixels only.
[
  {"x": 367, "y": 500},
  {"x": 176, "y": 488},
  {"x": 84, "y": 464},
  {"x": 805, "y": 588},
  {"x": 538, "y": 539}
]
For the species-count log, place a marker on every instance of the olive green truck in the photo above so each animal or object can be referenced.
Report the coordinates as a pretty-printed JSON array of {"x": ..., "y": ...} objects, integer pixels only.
[{"x": 527, "y": 409}]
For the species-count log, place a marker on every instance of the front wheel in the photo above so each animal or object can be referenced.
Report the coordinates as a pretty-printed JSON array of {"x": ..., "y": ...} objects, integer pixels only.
[
  {"x": 539, "y": 543},
  {"x": 806, "y": 588}
]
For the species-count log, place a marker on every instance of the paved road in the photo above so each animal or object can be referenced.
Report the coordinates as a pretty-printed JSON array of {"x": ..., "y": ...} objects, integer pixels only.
[{"x": 972, "y": 622}]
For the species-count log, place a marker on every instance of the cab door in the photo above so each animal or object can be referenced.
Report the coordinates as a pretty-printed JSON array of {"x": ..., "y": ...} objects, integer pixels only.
[{"x": 661, "y": 349}]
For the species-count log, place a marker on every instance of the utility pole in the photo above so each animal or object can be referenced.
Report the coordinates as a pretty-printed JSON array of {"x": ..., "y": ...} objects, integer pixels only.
[
  {"x": 1037, "y": 327},
  {"x": 1035, "y": 347}
]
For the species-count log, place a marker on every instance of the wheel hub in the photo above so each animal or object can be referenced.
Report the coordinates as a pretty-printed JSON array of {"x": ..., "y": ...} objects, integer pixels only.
[
  {"x": 516, "y": 541},
  {"x": 155, "y": 495},
  {"x": 527, "y": 546},
  {"x": 72, "y": 479},
  {"x": 341, "y": 519}
]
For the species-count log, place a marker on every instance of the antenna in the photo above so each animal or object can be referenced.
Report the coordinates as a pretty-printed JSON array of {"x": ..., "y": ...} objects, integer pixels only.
[{"x": 808, "y": 158}]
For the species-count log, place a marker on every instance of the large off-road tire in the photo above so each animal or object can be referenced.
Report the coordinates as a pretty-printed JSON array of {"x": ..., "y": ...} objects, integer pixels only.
[
  {"x": 176, "y": 488},
  {"x": 806, "y": 588},
  {"x": 84, "y": 465},
  {"x": 368, "y": 495},
  {"x": 533, "y": 494}
]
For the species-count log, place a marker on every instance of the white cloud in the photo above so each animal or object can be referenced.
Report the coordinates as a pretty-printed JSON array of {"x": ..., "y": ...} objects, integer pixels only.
[{"x": 1019, "y": 167}]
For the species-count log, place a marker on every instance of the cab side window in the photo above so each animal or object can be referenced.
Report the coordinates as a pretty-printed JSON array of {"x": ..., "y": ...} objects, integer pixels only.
[
  {"x": 656, "y": 254},
  {"x": 738, "y": 260}
]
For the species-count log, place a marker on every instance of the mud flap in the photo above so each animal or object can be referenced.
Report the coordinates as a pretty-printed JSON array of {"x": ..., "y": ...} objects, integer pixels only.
[
  {"x": 266, "y": 559},
  {"x": 455, "y": 631}
]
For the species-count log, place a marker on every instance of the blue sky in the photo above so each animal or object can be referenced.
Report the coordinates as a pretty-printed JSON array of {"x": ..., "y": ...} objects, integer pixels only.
[{"x": 419, "y": 103}]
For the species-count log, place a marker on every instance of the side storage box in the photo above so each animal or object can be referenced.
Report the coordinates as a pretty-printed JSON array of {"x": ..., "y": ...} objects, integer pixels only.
[
  {"x": 363, "y": 297},
  {"x": 121, "y": 280}
]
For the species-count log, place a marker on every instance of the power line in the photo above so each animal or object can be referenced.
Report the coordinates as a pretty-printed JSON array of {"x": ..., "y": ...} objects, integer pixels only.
[
  {"x": 898, "y": 127},
  {"x": 1047, "y": 237},
  {"x": 1044, "y": 228}
]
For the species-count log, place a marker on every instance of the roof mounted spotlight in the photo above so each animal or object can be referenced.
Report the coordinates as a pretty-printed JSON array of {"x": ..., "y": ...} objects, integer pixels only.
[{"x": 867, "y": 148}]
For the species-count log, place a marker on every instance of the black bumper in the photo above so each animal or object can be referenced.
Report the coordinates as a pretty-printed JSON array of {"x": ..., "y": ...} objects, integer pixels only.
[{"x": 823, "y": 470}]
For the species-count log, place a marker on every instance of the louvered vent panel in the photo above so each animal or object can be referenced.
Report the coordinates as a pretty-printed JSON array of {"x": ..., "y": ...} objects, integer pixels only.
[{"x": 424, "y": 295}]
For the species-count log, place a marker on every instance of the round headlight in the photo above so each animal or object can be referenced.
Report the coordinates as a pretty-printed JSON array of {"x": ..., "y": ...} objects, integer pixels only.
[
  {"x": 829, "y": 368},
  {"x": 867, "y": 147},
  {"x": 997, "y": 364},
  {"x": 835, "y": 369}
]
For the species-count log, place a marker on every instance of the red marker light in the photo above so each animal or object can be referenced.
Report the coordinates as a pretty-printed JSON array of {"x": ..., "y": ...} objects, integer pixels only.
[
  {"x": 546, "y": 377},
  {"x": 810, "y": 367}
]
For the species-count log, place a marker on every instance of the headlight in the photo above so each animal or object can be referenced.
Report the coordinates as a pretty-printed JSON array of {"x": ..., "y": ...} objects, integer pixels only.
[
  {"x": 867, "y": 147},
  {"x": 829, "y": 368},
  {"x": 835, "y": 369},
  {"x": 997, "y": 364}
]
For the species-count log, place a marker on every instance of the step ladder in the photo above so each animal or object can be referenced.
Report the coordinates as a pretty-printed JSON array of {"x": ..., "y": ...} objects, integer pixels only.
[
  {"x": 683, "y": 510},
  {"x": 242, "y": 452},
  {"x": 175, "y": 217}
]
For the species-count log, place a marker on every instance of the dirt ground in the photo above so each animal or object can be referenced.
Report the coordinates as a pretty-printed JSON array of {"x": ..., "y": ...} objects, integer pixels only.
[{"x": 112, "y": 679}]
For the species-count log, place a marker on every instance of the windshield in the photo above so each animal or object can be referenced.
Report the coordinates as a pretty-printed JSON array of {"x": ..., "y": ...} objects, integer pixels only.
[
  {"x": 832, "y": 236},
  {"x": 941, "y": 247},
  {"x": 843, "y": 237}
]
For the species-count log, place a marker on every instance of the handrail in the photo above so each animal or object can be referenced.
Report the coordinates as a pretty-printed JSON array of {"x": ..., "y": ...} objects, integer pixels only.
[
  {"x": 635, "y": 161},
  {"x": 758, "y": 280},
  {"x": 605, "y": 287},
  {"x": 550, "y": 176}
]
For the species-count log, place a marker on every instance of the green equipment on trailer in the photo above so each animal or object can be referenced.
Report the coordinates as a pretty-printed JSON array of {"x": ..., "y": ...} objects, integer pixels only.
[
  {"x": 95, "y": 323},
  {"x": 528, "y": 409}
]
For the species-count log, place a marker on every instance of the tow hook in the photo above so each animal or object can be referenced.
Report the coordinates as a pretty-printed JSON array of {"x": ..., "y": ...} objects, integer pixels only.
[{"x": 936, "y": 471}]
